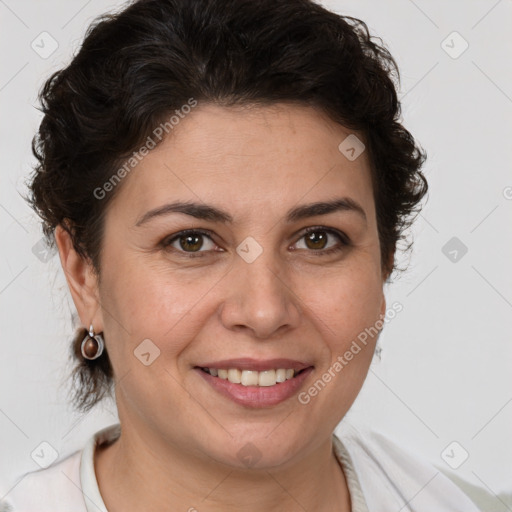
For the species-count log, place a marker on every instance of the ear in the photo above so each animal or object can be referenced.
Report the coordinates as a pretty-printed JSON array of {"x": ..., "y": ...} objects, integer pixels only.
[
  {"x": 383, "y": 306},
  {"x": 389, "y": 264},
  {"x": 385, "y": 275},
  {"x": 82, "y": 281}
]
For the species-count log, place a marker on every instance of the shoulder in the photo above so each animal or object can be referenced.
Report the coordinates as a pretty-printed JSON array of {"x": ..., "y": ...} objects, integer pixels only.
[
  {"x": 392, "y": 477},
  {"x": 62, "y": 487},
  {"x": 56, "y": 488}
]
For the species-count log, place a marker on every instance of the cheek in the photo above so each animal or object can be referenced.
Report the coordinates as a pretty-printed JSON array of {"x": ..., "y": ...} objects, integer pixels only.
[
  {"x": 346, "y": 306},
  {"x": 148, "y": 301},
  {"x": 348, "y": 313},
  {"x": 145, "y": 300}
]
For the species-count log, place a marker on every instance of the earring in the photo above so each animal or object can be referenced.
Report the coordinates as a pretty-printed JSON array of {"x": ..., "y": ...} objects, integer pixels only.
[
  {"x": 378, "y": 352},
  {"x": 92, "y": 345}
]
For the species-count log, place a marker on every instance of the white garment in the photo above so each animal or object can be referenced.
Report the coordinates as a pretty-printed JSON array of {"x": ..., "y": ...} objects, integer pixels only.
[{"x": 381, "y": 477}]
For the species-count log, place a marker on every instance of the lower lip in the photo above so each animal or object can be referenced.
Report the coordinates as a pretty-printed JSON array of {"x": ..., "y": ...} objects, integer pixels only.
[{"x": 256, "y": 396}]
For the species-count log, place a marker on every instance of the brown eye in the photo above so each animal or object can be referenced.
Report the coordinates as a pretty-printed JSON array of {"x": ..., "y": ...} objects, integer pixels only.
[
  {"x": 191, "y": 243},
  {"x": 316, "y": 240},
  {"x": 322, "y": 240}
]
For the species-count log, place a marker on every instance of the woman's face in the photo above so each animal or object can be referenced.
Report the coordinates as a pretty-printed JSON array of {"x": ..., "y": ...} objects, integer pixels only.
[{"x": 246, "y": 283}]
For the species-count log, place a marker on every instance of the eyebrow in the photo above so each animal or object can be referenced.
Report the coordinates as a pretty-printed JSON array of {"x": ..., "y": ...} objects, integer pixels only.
[{"x": 211, "y": 213}]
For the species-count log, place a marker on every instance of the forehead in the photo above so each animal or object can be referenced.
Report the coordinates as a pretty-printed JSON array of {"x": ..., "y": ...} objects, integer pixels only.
[{"x": 263, "y": 158}]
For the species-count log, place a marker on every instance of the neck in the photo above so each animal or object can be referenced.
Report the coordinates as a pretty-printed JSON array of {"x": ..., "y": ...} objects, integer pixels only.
[{"x": 140, "y": 473}]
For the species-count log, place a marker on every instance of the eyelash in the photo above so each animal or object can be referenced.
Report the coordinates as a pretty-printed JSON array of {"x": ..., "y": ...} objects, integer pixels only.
[{"x": 344, "y": 241}]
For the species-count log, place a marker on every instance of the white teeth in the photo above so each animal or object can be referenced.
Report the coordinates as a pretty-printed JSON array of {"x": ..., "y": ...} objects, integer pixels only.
[
  {"x": 234, "y": 375},
  {"x": 280, "y": 375},
  {"x": 267, "y": 378},
  {"x": 252, "y": 377},
  {"x": 249, "y": 378}
]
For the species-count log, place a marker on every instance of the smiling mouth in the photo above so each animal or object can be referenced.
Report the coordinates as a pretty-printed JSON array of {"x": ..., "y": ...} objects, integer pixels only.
[{"x": 265, "y": 378}]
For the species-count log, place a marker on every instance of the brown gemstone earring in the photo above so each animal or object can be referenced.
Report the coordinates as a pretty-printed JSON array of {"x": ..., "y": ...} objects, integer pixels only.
[{"x": 92, "y": 345}]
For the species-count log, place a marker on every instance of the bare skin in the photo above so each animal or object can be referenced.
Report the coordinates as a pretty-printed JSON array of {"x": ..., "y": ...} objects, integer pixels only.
[{"x": 180, "y": 436}]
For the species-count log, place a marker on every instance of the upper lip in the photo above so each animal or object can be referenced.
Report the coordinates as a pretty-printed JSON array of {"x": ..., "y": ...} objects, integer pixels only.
[{"x": 247, "y": 363}]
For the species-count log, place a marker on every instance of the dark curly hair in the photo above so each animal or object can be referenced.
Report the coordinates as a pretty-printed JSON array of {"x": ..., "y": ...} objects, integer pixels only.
[{"x": 136, "y": 67}]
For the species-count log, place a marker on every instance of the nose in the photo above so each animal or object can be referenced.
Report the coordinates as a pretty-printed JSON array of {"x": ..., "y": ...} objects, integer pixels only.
[{"x": 259, "y": 299}]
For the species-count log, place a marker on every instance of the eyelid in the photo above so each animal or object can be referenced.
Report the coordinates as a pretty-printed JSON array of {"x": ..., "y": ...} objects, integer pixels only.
[
  {"x": 341, "y": 245},
  {"x": 167, "y": 241},
  {"x": 333, "y": 231}
]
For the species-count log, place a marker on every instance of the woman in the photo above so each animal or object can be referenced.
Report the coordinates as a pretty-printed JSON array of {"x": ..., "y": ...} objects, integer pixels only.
[{"x": 226, "y": 183}]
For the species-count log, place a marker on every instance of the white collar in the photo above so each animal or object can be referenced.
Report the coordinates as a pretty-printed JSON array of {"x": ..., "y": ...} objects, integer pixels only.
[
  {"x": 90, "y": 489},
  {"x": 94, "y": 501}
]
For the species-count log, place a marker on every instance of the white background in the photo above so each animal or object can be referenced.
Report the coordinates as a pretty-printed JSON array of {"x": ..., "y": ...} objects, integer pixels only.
[{"x": 445, "y": 373}]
